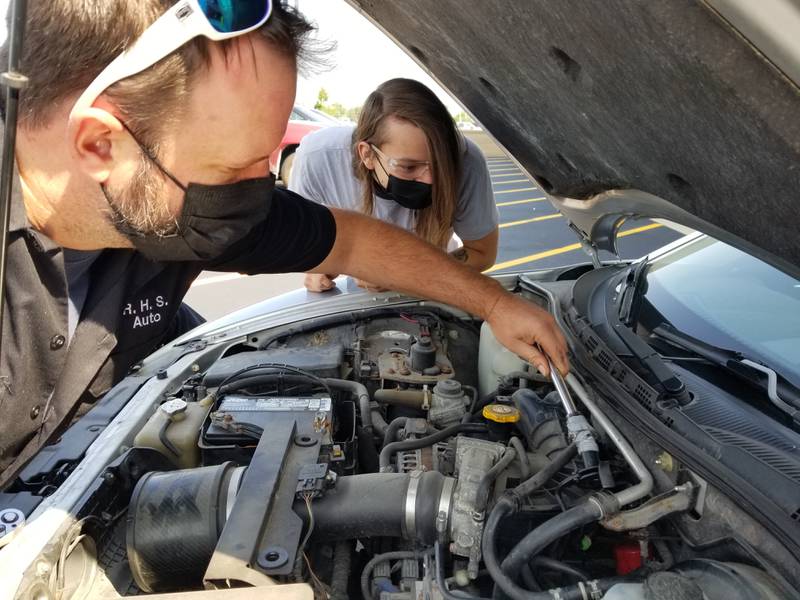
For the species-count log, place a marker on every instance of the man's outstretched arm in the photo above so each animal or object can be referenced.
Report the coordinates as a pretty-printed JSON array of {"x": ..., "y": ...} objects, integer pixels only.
[{"x": 389, "y": 257}]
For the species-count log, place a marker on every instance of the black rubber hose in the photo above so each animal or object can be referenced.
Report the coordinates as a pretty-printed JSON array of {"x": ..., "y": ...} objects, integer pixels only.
[
  {"x": 551, "y": 564},
  {"x": 341, "y": 570},
  {"x": 509, "y": 504},
  {"x": 545, "y": 474},
  {"x": 391, "y": 431},
  {"x": 477, "y": 407},
  {"x": 503, "y": 508},
  {"x": 268, "y": 378},
  {"x": 276, "y": 368},
  {"x": 379, "y": 558},
  {"x": 390, "y": 449},
  {"x": 529, "y": 579},
  {"x": 482, "y": 496},
  {"x": 524, "y": 462},
  {"x": 509, "y": 378},
  {"x": 509, "y": 587},
  {"x": 379, "y": 424},
  {"x": 440, "y": 579},
  {"x": 165, "y": 441},
  {"x": 550, "y": 531},
  {"x": 367, "y": 452}
]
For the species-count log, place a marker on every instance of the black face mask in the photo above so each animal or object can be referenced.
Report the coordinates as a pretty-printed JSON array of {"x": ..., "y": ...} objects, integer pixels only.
[
  {"x": 213, "y": 218},
  {"x": 408, "y": 193}
]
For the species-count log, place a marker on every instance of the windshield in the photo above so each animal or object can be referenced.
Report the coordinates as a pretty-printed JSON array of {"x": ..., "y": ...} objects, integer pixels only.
[{"x": 727, "y": 298}]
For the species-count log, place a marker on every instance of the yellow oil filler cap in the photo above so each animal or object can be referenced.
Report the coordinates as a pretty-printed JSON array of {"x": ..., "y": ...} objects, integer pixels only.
[{"x": 501, "y": 413}]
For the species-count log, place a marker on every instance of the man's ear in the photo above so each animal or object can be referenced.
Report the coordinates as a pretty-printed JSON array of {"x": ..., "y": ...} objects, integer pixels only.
[
  {"x": 367, "y": 155},
  {"x": 98, "y": 142}
]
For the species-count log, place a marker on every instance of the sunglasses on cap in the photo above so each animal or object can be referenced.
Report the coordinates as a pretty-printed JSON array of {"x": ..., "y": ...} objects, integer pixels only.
[{"x": 185, "y": 20}]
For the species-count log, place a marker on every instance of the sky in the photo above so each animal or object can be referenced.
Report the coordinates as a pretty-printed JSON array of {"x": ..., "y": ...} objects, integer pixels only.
[
  {"x": 364, "y": 56},
  {"x": 363, "y": 59}
]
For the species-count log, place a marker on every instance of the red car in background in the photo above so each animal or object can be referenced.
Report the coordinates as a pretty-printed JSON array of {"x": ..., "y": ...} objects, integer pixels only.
[{"x": 301, "y": 122}]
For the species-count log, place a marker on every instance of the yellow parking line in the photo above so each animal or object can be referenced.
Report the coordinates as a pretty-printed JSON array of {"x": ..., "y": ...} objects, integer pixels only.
[
  {"x": 534, "y": 220},
  {"x": 514, "y": 202},
  {"x": 513, "y": 181},
  {"x": 563, "y": 250},
  {"x": 527, "y": 189}
]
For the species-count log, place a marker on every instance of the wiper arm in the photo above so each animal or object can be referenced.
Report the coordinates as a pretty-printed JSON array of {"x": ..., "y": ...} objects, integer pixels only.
[
  {"x": 731, "y": 360},
  {"x": 622, "y": 315},
  {"x": 630, "y": 298}
]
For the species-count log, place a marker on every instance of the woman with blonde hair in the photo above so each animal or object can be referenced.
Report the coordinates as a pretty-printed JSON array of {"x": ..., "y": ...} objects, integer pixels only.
[{"x": 404, "y": 163}]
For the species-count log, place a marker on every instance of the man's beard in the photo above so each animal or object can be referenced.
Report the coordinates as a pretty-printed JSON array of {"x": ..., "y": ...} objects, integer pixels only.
[{"x": 140, "y": 210}]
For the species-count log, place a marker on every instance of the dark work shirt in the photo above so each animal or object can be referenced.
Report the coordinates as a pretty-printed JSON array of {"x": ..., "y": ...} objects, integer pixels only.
[
  {"x": 129, "y": 304},
  {"x": 76, "y": 267}
]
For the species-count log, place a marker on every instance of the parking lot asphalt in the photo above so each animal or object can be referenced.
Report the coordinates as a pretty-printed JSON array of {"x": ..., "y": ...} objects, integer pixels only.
[{"x": 533, "y": 235}]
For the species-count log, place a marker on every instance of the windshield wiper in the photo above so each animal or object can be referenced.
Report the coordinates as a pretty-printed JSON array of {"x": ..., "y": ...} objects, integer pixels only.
[
  {"x": 626, "y": 305},
  {"x": 737, "y": 363},
  {"x": 630, "y": 296}
]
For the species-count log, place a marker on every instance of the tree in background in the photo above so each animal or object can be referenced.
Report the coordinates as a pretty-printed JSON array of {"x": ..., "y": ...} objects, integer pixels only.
[
  {"x": 352, "y": 113},
  {"x": 335, "y": 109},
  {"x": 322, "y": 98}
]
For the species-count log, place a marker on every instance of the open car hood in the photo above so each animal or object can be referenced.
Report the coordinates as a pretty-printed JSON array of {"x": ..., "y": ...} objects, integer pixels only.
[{"x": 679, "y": 109}]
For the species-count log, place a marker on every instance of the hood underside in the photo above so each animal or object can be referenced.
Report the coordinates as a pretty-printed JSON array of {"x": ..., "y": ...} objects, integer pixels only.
[{"x": 664, "y": 101}]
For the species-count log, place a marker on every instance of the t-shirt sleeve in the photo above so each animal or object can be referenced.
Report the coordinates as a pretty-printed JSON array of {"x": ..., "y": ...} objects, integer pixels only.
[
  {"x": 476, "y": 212},
  {"x": 305, "y": 179},
  {"x": 296, "y": 236}
]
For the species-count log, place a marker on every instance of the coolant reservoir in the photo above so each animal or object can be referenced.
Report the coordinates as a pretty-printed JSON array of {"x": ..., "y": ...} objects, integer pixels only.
[
  {"x": 174, "y": 430},
  {"x": 494, "y": 361}
]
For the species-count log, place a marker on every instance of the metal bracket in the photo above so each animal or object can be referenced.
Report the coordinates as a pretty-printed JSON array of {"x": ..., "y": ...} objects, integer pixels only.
[
  {"x": 588, "y": 247},
  {"x": 677, "y": 499}
]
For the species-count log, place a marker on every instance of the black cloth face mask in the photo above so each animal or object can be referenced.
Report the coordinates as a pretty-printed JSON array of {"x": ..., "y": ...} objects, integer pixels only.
[
  {"x": 213, "y": 217},
  {"x": 408, "y": 193}
]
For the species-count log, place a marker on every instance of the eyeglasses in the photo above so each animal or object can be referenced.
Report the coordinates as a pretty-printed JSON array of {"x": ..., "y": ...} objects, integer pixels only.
[
  {"x": 402, "y": 168},
  {"x": 187, "y": 19}
]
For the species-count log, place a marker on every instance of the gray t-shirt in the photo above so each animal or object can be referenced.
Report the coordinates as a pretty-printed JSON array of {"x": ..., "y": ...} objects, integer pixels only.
[{"x": 323, "y": 172}]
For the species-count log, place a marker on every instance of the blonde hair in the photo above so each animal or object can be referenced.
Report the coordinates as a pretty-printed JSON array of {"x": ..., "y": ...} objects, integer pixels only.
[{"x": 411, "y": 101}]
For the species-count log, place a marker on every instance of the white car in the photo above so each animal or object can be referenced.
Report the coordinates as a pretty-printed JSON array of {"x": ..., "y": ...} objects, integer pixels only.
[{"x": 351, "y": 444}]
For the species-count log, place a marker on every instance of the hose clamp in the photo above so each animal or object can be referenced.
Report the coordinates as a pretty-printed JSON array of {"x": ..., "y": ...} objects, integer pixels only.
[
  {"x": 445, "y": 503},
  {"x": 606, "y": 503},
  {"x": 233, "y": 490},
  {"x": 595, "y": 591},
  {"x": 410, "y": 522}
]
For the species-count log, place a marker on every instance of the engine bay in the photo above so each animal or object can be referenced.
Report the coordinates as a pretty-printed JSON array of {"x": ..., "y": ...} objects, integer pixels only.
[{"x": 399, "y": 454}]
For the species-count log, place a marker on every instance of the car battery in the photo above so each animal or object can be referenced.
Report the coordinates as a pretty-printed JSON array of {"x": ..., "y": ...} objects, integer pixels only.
[{"x": 239, "y": 421}]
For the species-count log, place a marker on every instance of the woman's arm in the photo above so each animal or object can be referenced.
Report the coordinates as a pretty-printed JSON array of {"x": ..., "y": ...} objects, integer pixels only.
[{"x": 478, "y": 254}]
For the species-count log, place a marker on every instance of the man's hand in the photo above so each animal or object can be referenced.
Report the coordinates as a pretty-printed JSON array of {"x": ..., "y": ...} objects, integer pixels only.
[
  {"x": 319, "y": 282},
  {"x": 524, "y": 328}
]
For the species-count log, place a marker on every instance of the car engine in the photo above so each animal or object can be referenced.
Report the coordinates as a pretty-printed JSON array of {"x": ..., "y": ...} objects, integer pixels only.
[{"x": 397, "y": 454}]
